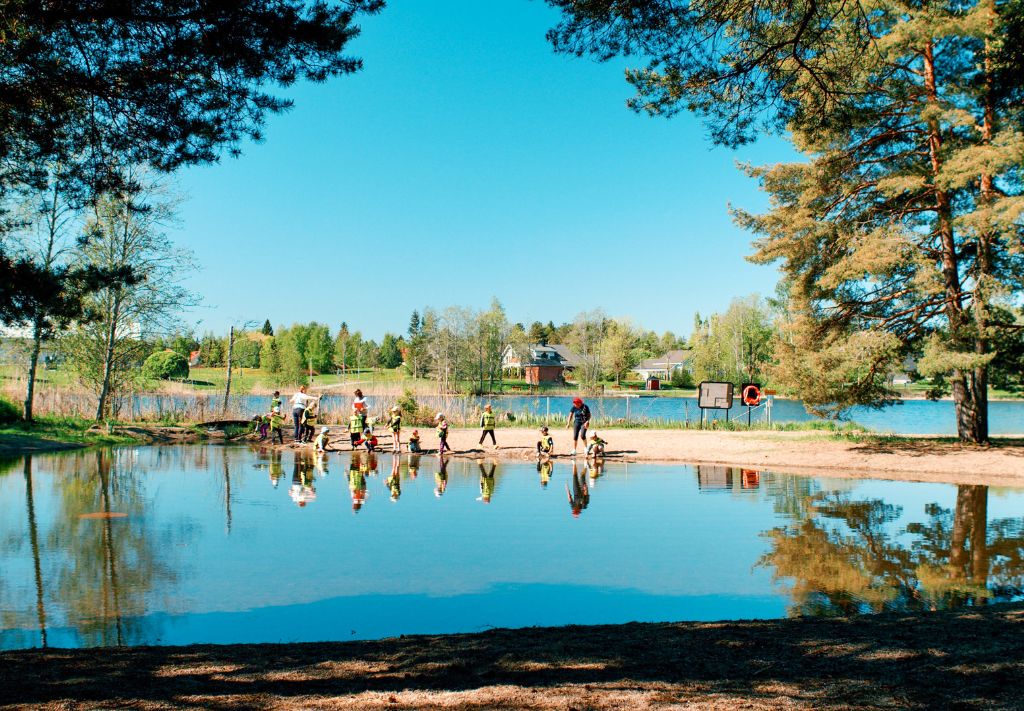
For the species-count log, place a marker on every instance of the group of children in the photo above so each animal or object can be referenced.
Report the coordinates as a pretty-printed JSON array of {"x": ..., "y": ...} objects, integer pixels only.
[{"x": 360, "y": 429}]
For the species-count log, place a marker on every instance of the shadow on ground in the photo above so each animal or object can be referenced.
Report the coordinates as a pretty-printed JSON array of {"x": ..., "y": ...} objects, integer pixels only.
[
  {"x": 934, "y": 660},
  {"x": 928, "y": 446}
]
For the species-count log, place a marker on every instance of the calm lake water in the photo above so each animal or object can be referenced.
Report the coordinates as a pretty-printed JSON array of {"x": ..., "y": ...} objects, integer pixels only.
[
  {"x": 205, "y": 543},
  {"x": 907, "y": 417}
]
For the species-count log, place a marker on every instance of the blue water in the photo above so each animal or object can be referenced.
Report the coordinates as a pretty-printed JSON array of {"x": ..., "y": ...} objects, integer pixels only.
[
  {"x": 230, "y": 544},
  {"x": 905, "y": 417}
]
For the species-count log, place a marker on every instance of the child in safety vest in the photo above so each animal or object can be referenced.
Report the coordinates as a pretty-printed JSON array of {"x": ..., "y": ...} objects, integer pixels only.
[
  {"x": 487, "y": 422},
  {"x": 355, "y": 427},
  {"x": 442, "y": 433},
  {"x": 276, "y": 422},
  {"x": 368, "y": 440},
  {"x": 395, "y": 425},
  {"x": 414, "y": 442},
  {"x": 595, "y": 448},
  {"x": 260, "y": 426},
  {"x": 323, "y": 440},
  {"x": 275, "y": 402},
  {"x": 546, "y": 444},
  {"x": 308, "y": 424}
]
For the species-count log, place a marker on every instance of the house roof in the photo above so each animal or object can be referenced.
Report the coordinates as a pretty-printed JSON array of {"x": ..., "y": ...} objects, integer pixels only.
[{"x": 671, "y": 359}]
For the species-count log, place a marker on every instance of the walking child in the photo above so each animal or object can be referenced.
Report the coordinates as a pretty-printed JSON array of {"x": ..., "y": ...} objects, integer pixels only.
[
  {"x": 395, "y": 425},
  {"x": 487, "y": 422},
  {"x": 442, "y": 433}
]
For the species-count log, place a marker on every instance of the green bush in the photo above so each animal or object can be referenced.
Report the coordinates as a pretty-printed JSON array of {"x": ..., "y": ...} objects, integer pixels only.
[
  {"x": 165, "y": 365},
  {"x": 681, "y": 378},
  {"x": 9, "y": 412}
]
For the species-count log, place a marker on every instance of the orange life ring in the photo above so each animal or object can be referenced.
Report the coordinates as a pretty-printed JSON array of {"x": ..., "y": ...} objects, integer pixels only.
[{"x": 751, "y": 395}]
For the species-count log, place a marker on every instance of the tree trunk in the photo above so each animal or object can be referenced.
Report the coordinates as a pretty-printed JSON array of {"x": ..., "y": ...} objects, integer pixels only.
[
  {"x": 108, "y": 361},
  {"x": 227, "y": 384},
  {"x": 33, "y": 364},
  {"x": 969, "y": 391}
]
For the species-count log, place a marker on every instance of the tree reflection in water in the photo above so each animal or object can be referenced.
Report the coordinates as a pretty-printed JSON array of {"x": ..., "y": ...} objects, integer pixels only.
[
  {"x": 843, "y": 555},
  {"x": 97, "y": 562}
]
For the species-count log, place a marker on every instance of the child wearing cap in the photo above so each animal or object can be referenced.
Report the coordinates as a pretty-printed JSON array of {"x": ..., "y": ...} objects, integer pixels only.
[
  {"x": 442, "y": 433},
  {"x": 595, "y": 448},
  {"x": 369, "y": 440},
  {"x": 323, "y": 439},
  {"x": 414, "y": 442},
  {"x": 546, "y": 444},
  {"x": 395, "y": 425}
]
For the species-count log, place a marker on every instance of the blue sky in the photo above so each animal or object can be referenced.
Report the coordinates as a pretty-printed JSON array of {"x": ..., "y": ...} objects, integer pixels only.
[{"x": 468, "y": 161}]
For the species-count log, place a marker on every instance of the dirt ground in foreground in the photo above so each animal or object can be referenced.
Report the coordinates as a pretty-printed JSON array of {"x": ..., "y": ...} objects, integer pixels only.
[
  {"x": 1000, "y": 463},
  {"x": 938, "y": 660}
]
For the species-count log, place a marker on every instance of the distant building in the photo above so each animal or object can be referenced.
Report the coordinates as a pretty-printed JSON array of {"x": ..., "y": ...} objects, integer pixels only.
[
  {"x": 538, "y": 355},
  {"x": 540, "y": 363},
  {"x": 907, "y": 373},
  {"x": 663, "y": 367},
  {"x": 193, "y": 359}
]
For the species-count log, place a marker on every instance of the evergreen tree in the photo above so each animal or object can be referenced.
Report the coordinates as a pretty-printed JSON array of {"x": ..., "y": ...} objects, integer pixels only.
[
  {"x": 267, "y": 329},
  {"x": 902, "y": 230}
]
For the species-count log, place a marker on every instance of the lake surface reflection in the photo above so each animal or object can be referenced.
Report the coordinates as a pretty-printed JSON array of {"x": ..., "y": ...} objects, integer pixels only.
[{"x": 173, "y": 545}]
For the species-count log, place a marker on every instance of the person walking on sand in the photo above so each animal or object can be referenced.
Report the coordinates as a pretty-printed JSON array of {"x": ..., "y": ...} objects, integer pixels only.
[
  {"x": 487, "y": 422},
  {"x": 442, "y": 433},
  {"x": 579, "y": 419},
  {"x": 300, "y": 401},
  {"x": 395, "y": 425}
]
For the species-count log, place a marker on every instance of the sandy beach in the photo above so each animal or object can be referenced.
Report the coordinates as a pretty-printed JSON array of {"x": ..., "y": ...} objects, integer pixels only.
[{"x": 1000, "y": 463}]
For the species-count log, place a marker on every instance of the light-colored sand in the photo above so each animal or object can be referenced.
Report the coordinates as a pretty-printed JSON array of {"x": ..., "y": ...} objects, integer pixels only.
[{"x": 1000, "y": 463}]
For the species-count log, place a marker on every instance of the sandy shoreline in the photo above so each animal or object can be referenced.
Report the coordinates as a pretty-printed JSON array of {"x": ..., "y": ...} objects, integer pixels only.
[
  {"x": 969, "y": 659},
  {"x": 909, "y": 458},
  {"x": 1000, "y": 463}
]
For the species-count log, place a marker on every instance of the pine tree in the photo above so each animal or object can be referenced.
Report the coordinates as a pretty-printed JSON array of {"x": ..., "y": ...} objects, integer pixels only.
[
  {"x": 901, "y": 232},
  {"x": 267, "y": 329}
]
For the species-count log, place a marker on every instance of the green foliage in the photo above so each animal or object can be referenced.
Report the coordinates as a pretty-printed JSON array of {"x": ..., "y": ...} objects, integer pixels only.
[
  {"x": 270, "y": 356},
  {"x": 267, "y": 329},
  {"x": 246, "y": 353},
  {"x": 212, "y": 351},
  {"x": 165, "y": 365},
  {"x": 390, "y": 351},
  {"x": 9, "y": 412},
  {"x": 735, "y": 346}
]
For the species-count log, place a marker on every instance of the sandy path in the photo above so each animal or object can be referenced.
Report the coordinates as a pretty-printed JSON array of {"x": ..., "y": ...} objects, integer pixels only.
[{"x": 911, "y": 458}]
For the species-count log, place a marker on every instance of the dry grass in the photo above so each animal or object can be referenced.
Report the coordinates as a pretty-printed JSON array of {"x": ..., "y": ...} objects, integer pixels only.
[{"x": 962, "y": 660}]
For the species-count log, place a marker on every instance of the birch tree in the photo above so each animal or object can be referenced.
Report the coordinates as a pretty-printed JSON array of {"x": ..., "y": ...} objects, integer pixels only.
[{"x": 125, "y": 233}]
